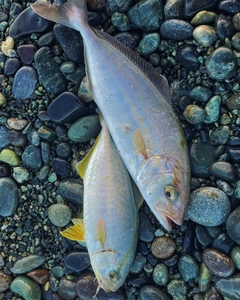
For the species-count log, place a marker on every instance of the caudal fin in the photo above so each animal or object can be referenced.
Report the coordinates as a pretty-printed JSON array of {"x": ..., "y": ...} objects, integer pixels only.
[{"x": 72, "y": 14}]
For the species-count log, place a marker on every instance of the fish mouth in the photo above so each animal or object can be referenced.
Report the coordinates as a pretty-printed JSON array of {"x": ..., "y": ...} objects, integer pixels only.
[{"x": 166, "y": 218}]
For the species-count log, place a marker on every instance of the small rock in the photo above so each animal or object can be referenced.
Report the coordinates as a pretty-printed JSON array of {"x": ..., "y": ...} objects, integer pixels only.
[
  {"x": 205, "y": 277},
  {"x": 26, "y": 288},
  {"x": 71, "y": 189},
  {"x": 212, "y": 110},
  {"x": 24, "y": 83},
  {"x": 3, "y": 137},
  {"x": 26, "y": 53},
  {"x": 229, "y": 287},
  {"x": 77, "y": 261},
  {"x": 149, "y": 44},
  {"x": 233, "y": 225},
  {"x": 67, "y": 289},
  {"x": 120, "y": 21},
  {"x": 194, "y": 114},
  {"x": 16, "y": 138},
  {"x": 138, "y": 264},
  {"x": 10, "y": 157},
  {"x": 20, "y": 174},
  {"x": 16, "y": 123},
  {"x": 152, "y": 292},
  {"x": 5, "y": 281},
  {"x": 203, "y": 17},
  {"x": 208, "y": 206},
  {"x": 61, "y": 166},
  {"x": 224, "y": 27},
  {"x": 163, "y": 247},
  {"x": 191, "y": 7},
  {"x": 177, "y": 289},
  {"x": 173, "y": 9},
  {"x": 160, "y": 274},
  {"x": 121, "y": 6},
  {"x": 200, "y": 94},
  {"x": 229, "y": 7},
  {"x": 235, "y": 255},
  {"x": 188, "y": 268},
  {"x": 11, "y": 66},
  {"x": 178, "y": 30},
  {"x": 220, "y": 136},
  {"x": 223, "y": 170},
  {"x": 59, "y": 214},
  {"x": 31, "y": 157},
  {"x": 8, "y": 44},
  {"x": 41, "y": 276},
  {"x": 205, "y": 35},
  {"x": 233, "y": 102},
  {"x": 28, "y": 263},
  {"x": 145, "y": 228}
]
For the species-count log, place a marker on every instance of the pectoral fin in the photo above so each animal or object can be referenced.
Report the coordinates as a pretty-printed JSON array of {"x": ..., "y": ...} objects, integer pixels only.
[
  {"x": 139, "y": 144},
  {"x": 75, "y": 232},
  {"x": 100, "y": 232}
]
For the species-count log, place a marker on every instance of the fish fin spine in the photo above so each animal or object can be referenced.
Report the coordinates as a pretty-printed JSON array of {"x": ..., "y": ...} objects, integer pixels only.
[{"x": 75, "y": 232}]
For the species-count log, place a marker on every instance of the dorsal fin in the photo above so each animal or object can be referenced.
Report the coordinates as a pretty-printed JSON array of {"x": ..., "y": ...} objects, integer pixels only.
[{"x": 157, "y": 79}]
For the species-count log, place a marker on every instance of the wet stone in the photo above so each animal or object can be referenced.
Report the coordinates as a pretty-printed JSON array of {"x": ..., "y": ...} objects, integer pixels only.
[
  {"x": 237, "y": 189},
  {"x": 188, "y": 268},
  {"x": 8, "y": 197},
  {"x": 223, "y": 243},
  {"x": 233, "y": 225},
  {"x": 220, "y": 136},
  {"x": 200, "y": 93},
  {"x": 121, "y": 6},
  {"x": 163, "y": 247},
  {"x": 46, "y": 39},
  {"x": 221, "y": 64},
  {"x": 224, "y": 27},
  {"x": 233, "y": 102},
  {"x": 41, "y": 276},
  {"x": 223, "y": 170},
  {"x": 127, "y": 39},
  {"x": 235, "y": 255},
  {"x": 71, "y": 189},
  {"x": 138, "y": 264},
  {"x": 84, "y": 129},
  {"x": 191, "y": 7},
  {"x": 49, "y": 71},
  {"x": 26, "y": 53},
  {"x": 77, "y": 261},
  {"x": 59, "y": 214},
  {"x": 230, "y": 7},
  {"x": 205, "y": 35},
  {"x": 194, "y": 114},
  {"x": 178, "y": 30},
  {"x": 208, "y": 206},
  {"x": 16, "y": 138},
  {"x": 26, "y": 287},
  {"x": 32, "y": 157},
  {"x": 177, "y": 289},
  {"x": 3, "y": 137},
  {"x": 24, "y": 83},
  {"x": 203, "y": 236},
  {"x": 229, "y": 287},
  {"x": 160, "y": 274},
  {"x": 147, "y": 15},
  {"x": 67, "y": 289},
  {"x": 11, "y": 66},
  {"x": 149, "y": 44},
  {"x": 20, "y": 26},
  {"x": 236, "y": 41},
  {"x": 70, "y": 41},
  {"x": 61, "y": 166},
  {"x": 28, "y": 263},
  {"x": 46, "y": 133},
  {"x": 4, "y": 170},
  {"x": 10, "y": 157},
  {"x": 212, "y": 109},
  {"x": 233, "y": 153},
  {"x": 218, "y": 263},
  {"x": 203, "y": 17},
  {"x": 236, "y": 21},
  {"x": 67, "y": 108},
  {"x": 152, "y": 292},
  {"x": 173, "y": 9},
  {"x": 67, "y": 67},
  {"x": 20, "y": 174},
  {"x": 146, "y": 233},
  {"x": 5, "y": 281},
  {"x": 202, "y": 156},
  {"x": 17, "y": 123},
  {"x": 205, "y": 277},
  {"x": 120, "y": 21},
  {"x": 63, "y": 150}
]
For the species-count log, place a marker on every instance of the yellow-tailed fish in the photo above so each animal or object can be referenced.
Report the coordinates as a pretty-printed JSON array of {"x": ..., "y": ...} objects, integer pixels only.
[
  {"x": 110, "y": 213},
  {"x": 135, "y": 102}
]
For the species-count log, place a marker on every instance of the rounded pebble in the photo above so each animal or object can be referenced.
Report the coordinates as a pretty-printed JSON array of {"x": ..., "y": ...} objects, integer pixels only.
[
  {"x": 149, "y": 44},
  {"x": 59, "y": 214},
  {"x": 8, "y": 44},
  {"x": 229, "y": 287},
  {"x": 188, "y": 268},
  {"x": 163, "y": 247},
  {"x": 71, "y": 189},
  {"x": 26, "y": 288},
  {"x": 32, "y": 157},
  {"x": 233, "y": 225},
  {"x": 10, "y": 157},
  {"x": 208, "y": 206},
  {"x": 152, "y": 292},
  {"x": 205, "y": 35},
  {"x": 120, "y": 21},
  {"x": 160, "y": 274},
  {"x": 28, "y": 263},
  {"x": 194, "y": 114},
  {"x": 77, "y": 261},
  {"x": 212, "y": 109},
  {"x": 5, "y": 281}
]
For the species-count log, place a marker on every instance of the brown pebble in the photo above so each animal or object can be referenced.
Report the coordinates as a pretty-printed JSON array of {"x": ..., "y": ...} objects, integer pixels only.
[
  {"x": 41, "y": 276},
  {"x": 5, "y": 281},
  {"x": 163, "y": 247},
  {"x": 218, "y": 263},
  {"x": 17, "y": 123}
]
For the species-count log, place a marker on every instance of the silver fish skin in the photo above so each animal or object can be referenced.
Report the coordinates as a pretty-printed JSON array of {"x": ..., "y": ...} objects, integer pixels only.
[
  {"x": 110, "y": 214},
  {"x": 135, "y": 102}
]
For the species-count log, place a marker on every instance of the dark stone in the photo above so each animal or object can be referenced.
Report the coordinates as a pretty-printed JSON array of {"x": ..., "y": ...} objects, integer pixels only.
[
  {"x": 233, "y": 153},
  {"x": 11, "y": 66},
  {"x": 223, "y": 243},
  {"x": 224, "y": 27},
  {"x": 3, "y": 16},
  {"x": 218, "y": 263},
  {"x": 171, "y": 261},
  {"x": 32, "y": 157},
  {"x": 233, "y": 225},
  {"x": 8, "y": 197},
  {"x": 70, "y": 41},
  {"x": 45, "y": 151},
  {"x": 67, "y": 108},
  {"x": 17, "y": 138},
  {"x": 234, "y": 141},
  {"x": 3, "y": 137},
  {"x": 61, "y": 166},
  {"x": 203, "y": 236},
  {"x": 63, "y": 150},
  {"x": 178, "y": 30},
  {"x": 146, "y": 233},
  {"x": 71, "y": 189},
  {"x": 15, "y": 10},
  {"x": 188, "y": 242},
  {"x": 152, "y": 292},
  {"x": 49, "y": 71},
  {"x": 173, "y": 9},
  {"x": 26, "y": 53},
  {"x": 233, "y": 102},
  {"x": 191, "y": 7},
  {"x": 229, "y": 287},
  {"x": 223, "y": 170},
  {"x": 24, "y": 83},
  {"x": 4, "y": 170},
  {"x": 20, "y": 26},
  {"x": 127, "y": 39},
  {"x": 188, "y": 57},
  {"x": 46, "y": 39},
  {"x": 77, "y": 261},
  {"x": 121, "y": 6},
  {"x": 229, "y": 7}
]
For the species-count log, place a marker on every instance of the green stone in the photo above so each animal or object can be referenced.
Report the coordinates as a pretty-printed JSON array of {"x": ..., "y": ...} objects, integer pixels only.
[
  {"x": 149, "y": 44},
  {"x": 237, "y": 190},
  {"x": 177, "y": 289},
  {"x": 160, "y": 274},
  {"x": 235, "y": 255},
  {"x": 10, "y": 157},
  {"x": 120, "y": 21},
  {"x": 203, "y": 17},
  {"x": 212, "y": 110},
  {"x": 194, "y": 114},
  {"x": 3, "y": 100},
  {"x": 26, "y": 287},
  {"x": 205, "y": 277}
]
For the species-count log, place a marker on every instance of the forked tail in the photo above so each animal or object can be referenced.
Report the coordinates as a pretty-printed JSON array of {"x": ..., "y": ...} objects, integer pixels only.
[{"x": 72, "y": 14}]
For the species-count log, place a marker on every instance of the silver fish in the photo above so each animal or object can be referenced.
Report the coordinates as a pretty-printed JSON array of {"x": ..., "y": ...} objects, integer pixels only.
[
  {"x": 110, "y": 214},
  {"x": 135, "y": 102}
]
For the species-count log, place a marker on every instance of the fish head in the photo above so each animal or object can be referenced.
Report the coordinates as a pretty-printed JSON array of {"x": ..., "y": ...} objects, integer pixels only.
[
  {"x": 108, "y": 270},
  {"x": 164, "y": 182}
]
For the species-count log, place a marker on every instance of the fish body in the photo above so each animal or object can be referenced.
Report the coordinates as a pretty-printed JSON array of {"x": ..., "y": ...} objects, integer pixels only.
[
  {"x": 110, "y": 213},
  {"x": 135, "y": 102}
]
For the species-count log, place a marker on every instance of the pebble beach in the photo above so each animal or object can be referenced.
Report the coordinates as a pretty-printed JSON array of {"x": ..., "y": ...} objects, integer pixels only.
[{"x": 48, "y": 123}]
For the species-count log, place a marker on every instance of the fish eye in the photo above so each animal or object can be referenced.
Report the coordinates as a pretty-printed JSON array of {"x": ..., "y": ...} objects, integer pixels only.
[
  {"x": 170, "y": 192},
  {"x": 113, "y": 275}
]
